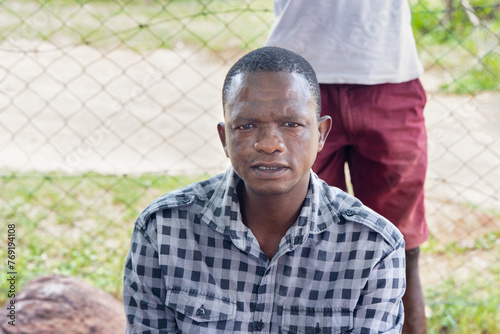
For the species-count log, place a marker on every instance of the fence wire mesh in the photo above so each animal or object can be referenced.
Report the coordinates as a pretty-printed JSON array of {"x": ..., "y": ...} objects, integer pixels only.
[{"x": 105, "y": 105}]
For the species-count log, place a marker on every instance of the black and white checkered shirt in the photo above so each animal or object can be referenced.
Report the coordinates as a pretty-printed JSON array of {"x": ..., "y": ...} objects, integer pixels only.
[{"x": 194, "y": 267}]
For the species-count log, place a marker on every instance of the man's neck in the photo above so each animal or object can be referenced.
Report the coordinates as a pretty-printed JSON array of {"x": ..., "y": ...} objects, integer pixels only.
[{"x": 269, "y": 217}]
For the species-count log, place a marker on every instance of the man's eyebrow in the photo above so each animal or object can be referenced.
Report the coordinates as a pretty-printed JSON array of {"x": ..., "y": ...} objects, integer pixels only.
[
  {"x": 290, "y": 118},
  {"x": 244, "y": 119}
]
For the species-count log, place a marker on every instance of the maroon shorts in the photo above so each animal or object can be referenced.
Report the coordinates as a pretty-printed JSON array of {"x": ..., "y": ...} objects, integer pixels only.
[{"x": 379, "y": 131}]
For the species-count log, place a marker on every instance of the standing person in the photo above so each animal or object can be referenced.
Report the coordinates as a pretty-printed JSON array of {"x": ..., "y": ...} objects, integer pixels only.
[
  {"x": 367, "y": 65},
  {"x": 267, "y": 246}
]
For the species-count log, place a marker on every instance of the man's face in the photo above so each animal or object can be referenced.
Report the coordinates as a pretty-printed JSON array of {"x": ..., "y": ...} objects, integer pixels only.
[{"x": 271, "y": 132}]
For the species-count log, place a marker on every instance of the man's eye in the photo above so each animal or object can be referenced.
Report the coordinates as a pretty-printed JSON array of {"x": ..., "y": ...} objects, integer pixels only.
[
  {"x": 244, "y": 127},
  {"x": 291, "y": 124}
]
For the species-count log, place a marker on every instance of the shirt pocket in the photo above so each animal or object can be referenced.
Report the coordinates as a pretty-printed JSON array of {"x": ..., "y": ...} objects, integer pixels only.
[
  {"x": 316, "y": 320},
  {"x": 201, "y": 310}
]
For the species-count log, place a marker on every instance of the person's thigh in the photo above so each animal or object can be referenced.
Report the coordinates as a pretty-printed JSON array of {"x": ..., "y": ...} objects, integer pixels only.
[
  {"x": 388, "y": 160},
  {"x": 329, "y": 164}
]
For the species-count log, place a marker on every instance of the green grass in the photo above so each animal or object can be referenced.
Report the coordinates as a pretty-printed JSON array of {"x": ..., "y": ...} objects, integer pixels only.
[
  {"x": 76, "y": 225},
  {"x": 80, "y": 225},
  {"x": 465, "y": 299},
  {"x": 213, "y": 25},
  {"x": 464, "y": 308}
]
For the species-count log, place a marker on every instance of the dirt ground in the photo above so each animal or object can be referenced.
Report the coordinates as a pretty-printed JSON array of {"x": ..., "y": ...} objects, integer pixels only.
[{"x": 80, "y": 109}]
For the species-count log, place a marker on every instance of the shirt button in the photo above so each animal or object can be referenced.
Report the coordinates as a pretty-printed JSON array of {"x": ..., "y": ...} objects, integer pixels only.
[
  {"x": 200, "y": 311},
  {"x": 259, "y": 325},
  {"x": 349, "y": 213}
]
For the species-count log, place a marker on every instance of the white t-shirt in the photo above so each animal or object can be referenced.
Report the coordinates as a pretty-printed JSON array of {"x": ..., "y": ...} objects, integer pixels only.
[{"x": 349, "y": 41}]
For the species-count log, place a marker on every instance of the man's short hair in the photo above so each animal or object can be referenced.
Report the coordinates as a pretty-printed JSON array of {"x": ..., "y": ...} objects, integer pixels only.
[{"x": 273, "y": 59}]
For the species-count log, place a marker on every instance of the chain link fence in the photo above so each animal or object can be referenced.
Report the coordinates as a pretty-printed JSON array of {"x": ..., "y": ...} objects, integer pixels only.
[{"x": 105, "y": 105}]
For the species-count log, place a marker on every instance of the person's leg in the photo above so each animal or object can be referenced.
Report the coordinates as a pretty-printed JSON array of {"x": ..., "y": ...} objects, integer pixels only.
[
  {"x": 329, "y": 164},
  {"x": 387, "y": 164},
  {"x": 413, "y": 300}
]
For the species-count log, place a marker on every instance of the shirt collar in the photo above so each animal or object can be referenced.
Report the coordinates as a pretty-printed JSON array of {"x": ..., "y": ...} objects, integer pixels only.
[{"x": 222, "y": 213}]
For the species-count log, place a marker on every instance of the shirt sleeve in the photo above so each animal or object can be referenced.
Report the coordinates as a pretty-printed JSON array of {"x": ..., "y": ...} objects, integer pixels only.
[
  {"x": 380, "y": 308},
  {"x": 144, "y": 288}
]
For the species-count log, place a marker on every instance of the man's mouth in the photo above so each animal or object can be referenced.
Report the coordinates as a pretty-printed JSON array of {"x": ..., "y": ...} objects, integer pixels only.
[
  {"x": 269, "y": 171},
  {"x": 269, "y": 168}
]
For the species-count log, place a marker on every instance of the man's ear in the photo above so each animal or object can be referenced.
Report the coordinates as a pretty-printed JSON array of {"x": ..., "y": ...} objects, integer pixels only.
[
  {"x": 221, "y": 128},
  {"x": 324, "y": 127}
]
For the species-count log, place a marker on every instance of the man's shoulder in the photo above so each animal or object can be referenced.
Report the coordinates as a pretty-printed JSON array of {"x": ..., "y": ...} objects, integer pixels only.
[
  {"x": 193, "y": 194},
  {"x": 352, "y": 211}
]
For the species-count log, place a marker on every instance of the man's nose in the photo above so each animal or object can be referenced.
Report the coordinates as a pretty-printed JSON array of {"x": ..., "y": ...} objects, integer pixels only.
[{"x": 269, "y": 140}]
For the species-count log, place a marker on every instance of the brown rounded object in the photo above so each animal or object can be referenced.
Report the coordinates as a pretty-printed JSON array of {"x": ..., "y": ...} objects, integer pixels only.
[{"x": 60, "y": 305}]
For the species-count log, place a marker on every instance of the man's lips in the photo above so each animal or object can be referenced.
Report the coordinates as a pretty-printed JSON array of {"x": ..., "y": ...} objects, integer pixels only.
[
  {"x": 268, "y": 166},
  {"x": 266, "y": 169}
]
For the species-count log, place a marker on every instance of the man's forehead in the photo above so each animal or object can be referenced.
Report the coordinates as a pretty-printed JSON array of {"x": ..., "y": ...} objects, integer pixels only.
[{"x": 268, "y": 85}]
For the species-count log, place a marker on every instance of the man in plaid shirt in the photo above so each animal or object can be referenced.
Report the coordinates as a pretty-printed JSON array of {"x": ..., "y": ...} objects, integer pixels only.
[{"x": 267, "y": 246}]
